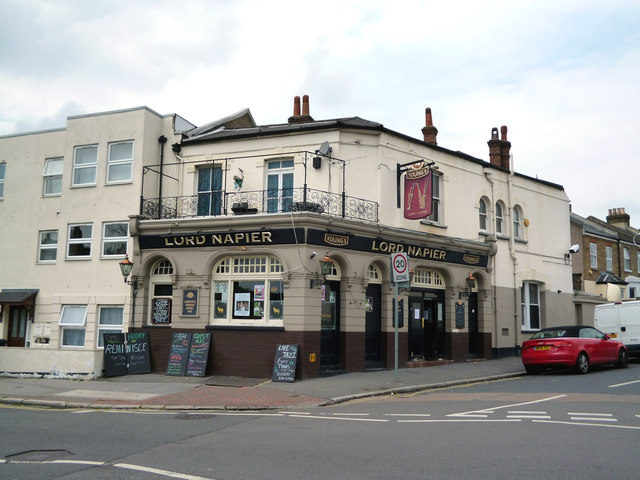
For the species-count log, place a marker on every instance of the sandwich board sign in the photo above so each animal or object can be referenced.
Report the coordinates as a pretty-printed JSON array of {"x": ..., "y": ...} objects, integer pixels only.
[{"x": 400, "y": 267}]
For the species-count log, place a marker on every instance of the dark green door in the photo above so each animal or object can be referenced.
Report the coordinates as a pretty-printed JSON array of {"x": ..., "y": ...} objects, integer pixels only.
[
  {"x": 330, "y": 328},
  {"x": 373, "y": 327}
]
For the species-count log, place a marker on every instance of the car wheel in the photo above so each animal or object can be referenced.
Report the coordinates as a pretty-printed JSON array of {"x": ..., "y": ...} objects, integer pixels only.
[
  {"x": 582, "y": 363},
  {"x": 623, "y": 359}
]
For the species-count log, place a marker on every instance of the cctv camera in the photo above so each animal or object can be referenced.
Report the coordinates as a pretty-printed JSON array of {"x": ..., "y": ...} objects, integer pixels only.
[
  {"x": 574, "y": 248},
  {"x": 313, "y": 254}
]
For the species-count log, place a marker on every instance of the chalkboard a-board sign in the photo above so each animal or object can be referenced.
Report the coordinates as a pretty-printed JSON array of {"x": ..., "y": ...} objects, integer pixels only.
[
  {"x": 459, "y": 315},
  {"x": 138, "y": 352},
  {"x": 115, "y": 356},
  {"x": 284, "y": 366},
  {"x": 179, "y": 354},
  {"x": 198, "y": 354}
]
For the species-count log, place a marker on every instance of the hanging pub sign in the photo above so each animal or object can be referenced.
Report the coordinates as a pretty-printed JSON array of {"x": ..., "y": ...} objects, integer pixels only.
[{"x": 417, "y": 193}]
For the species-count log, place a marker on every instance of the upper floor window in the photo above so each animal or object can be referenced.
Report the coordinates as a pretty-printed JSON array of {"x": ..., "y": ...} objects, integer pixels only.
[
  {"x": 210, "y": 190},
  {"x": 517, "y": 223},
  {"x": 530, "y": 301},
  {"x": 482, "y": 214},
  {"x": 48, "y": 246},
  {"x": 53, "y": 176},
  {"x": 85, "y": 165},
  {"x": 638, "y": 263},
  {"x": 114, "y": 239},
  {"x": 436, "y": 196},
  {"x": 120, "y": 163},
  {"x": 593, "y": 255},
  {"x": 79, "y": 241},
  {"x": 609, "y": 258},
  {"x": 627, "y": 259},
  {"x": 279, "y": 185},
  {"x": 3, "y": 170},
  {"x": 72, "y": 323},
  {"x": 499, "y": 219}
]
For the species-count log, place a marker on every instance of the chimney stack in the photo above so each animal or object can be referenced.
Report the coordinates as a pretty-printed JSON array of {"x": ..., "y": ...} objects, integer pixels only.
[
  {"x": 499, "y": 148},
  {"x": 297, "y": 116},
  {"x": 618, "y": 218},
  {"x": 429, "y": 132}
]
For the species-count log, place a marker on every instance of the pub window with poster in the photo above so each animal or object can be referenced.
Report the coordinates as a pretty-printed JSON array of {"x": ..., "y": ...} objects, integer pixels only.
[{"x": 248, "y": 291}]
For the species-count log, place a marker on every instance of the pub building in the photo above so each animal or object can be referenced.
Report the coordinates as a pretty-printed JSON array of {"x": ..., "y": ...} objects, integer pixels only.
[{"x": 283, "y": 234}]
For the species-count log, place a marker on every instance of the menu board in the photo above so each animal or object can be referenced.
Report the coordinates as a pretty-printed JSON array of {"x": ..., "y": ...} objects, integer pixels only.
[
  {"x": 284, "y": 367},
  {"x": 115, "y": 356},
  {"x": 179, "y": 354},
  {"x": 198, "y": 354},
  {"x": 138, "y": 352},
  {"x": 161, "y": 311}
]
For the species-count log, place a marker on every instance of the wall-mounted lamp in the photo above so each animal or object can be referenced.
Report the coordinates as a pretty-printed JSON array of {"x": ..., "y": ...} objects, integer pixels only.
[
  {"x": 125, "y": 268},
  {"x": 471, "y": 283},
  {"x": 326, "y": 266}
]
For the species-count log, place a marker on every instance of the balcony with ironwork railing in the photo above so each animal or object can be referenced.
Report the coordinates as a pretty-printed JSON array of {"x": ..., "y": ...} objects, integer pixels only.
[{"x": 219, "y": 203}]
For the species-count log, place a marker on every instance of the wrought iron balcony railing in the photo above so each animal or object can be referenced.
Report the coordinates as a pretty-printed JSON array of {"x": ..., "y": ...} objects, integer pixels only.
[{"x": 260, "y": 202}]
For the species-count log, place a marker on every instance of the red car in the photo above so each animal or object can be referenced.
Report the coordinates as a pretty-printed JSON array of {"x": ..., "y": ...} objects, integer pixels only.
[{"x": 576, "y": 347}]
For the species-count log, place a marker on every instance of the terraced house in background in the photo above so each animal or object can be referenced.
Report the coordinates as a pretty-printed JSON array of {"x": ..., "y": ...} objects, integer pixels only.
[{"x": 275, "y": 234}]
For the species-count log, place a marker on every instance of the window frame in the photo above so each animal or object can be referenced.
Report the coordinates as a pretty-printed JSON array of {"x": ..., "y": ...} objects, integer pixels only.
[
  {"x": 47, "y": 246},
  {"x": 109, "y": 240},
  {"x": 256, "y": 279},
  {"x": 593, "y": 255},
  {"x": 48, "y": 177},
  {"x": 115, "y": 164},
  {"x": 517, "y": 224},
  {"x": 108, "y": 327},
  {"x": 608, "y": 250},
  {"x": 483, "y": 215},
  {"x": 160, "y": 278},
  {"x": 72, "y": 326},
  {"x": 626, "y": 259},
  {"x": 528, "y": 306},
  {"x": 499, "y": 218},
  {"x": 78, "y": 167},
  {"x": 3, "y": 177},
  {"x": 282, "y": 201},
  {"x": 80, "y": 240},
  {"x": 436, "y": 199}
]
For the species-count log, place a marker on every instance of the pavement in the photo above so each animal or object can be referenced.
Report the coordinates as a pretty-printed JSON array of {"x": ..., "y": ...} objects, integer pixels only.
[{"x": 159, "y": 391}]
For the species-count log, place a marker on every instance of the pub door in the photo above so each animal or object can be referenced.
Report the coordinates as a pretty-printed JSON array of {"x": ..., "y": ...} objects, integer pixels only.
[
  {"x": 474, "y": 334},
  {"x": 18, "y": 317},
  {"x": 373, "y": 327},
  {"x": 426, "y": 326},
  {"x": 330, "y": 328}
]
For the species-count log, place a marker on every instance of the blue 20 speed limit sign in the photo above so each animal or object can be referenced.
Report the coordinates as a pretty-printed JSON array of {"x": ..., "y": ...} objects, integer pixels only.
[{"x": 400, "y": 267}]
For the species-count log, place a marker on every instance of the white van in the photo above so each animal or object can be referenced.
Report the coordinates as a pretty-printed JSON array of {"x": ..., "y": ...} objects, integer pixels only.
[{"x": 621, "y": 320}]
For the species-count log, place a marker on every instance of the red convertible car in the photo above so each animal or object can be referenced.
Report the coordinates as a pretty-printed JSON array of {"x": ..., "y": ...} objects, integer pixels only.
[{"x": 576, "y": 347}]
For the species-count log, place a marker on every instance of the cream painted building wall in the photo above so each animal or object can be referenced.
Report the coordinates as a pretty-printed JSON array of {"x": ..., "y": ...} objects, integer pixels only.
[{"x": 93, "y": 280}]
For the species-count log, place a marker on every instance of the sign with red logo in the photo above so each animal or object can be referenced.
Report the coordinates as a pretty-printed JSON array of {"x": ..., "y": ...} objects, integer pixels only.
[{"x": 417, "y": 193}]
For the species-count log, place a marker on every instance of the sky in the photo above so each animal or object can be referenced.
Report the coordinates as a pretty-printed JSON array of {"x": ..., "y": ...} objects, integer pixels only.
[{"x": 563, "y": 76}]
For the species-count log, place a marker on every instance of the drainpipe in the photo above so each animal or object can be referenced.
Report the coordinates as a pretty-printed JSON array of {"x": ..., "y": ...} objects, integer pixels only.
[
  {"x": 512, "y": 252},
  {"x": 161, "y": 140},
  {"x": 494, "y": 276}
]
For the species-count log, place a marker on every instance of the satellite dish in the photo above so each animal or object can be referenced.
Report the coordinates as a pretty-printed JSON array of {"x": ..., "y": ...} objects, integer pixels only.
[{"x": 325, "y": 149}]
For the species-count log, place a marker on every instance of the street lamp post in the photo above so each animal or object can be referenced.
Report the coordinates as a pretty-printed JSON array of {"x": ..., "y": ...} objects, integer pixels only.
[{"x": 126, "y": 266}]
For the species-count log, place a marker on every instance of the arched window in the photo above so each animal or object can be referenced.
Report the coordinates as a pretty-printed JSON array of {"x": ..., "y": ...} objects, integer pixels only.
[
  {"x": 482, "y": 215},
  {"x": 374, "y": 274},
  {"x": 427, "y": 278},
  {"x": 161, "y": 289},
  {"x": 517, "y": 223},
  {"x": 499, "y": 219},
  {"x": 248, "y": 290}
]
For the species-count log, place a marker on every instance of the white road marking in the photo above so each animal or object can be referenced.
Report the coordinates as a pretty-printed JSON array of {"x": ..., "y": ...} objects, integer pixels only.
[
  {"x": 341, "y": 418},
  {"x": 595, "y": 419},
  {"x": 587, "y": 424},
  {"x": 461, "y": 420},
  {"x": 528, "y": 416},
  {"x": 157, "y": 471},
  {"x": 475, "y": 413},
  {"x": 350, "y": 414},
  {"x": 623, "y": 384},
  {"x": 408, "y": 414}
]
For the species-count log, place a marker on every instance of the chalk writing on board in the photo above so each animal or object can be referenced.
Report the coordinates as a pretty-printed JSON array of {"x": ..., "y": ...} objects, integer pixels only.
[
  {"x": 115, "y": 357},
  {"x": 198, "y": 354},
  {"x": 138, "y": 352},
  {"x": 178, "y": 354},
  {"x": 284, "y": 365}
]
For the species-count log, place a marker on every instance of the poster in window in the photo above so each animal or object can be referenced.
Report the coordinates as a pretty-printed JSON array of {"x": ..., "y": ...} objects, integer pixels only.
[
  {"x": 258, "y": 309},
  {"x": 369, "y": 304},
  {"x": 276, "y": 311},
  {"x": 241, "y": 304},
  {"x": 161, "y": 308},
  {"x": 258, "y": 292}
]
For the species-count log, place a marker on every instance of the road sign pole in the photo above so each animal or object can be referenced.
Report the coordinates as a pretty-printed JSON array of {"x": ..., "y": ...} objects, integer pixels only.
[{"x": 395, "y": 321}]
